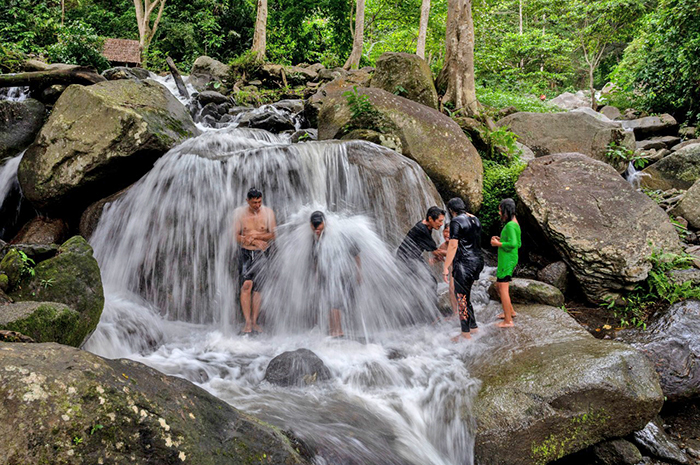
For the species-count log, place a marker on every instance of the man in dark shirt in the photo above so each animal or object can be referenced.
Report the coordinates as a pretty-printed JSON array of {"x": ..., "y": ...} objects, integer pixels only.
[{"x": 418, "y": 240}]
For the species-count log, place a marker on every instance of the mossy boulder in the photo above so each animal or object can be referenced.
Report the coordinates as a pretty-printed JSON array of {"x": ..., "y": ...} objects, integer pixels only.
[
  {"x": 529, "y": 291},
  {"x": 73, "y": 278},
  {"x": 676, "y": 171},
  {"x": 42, "y": 321},
  {"x": 407, "y": 75},
  {"x": 100, "y": 139},
  {"x": 557, "y": 391},
  {"x": 427, "y": 136},
  {"x": 61, "y": 405},
  {"x": 11, "y": 267},
  {"x": 20, "y": 122}
]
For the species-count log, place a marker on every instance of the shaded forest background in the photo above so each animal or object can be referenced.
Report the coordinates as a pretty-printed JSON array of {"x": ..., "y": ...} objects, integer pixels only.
[{"x": 649, "y": 49}]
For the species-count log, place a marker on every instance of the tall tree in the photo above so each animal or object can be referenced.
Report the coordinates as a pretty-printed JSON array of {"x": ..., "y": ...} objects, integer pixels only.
[
  {"x": 458, "y": 71},
  {"x": 144, "y": 10},
  {"x": 423, "y": 28},
  {"x": 260, "y": 34},
  {"x": 358, "y": 36}
]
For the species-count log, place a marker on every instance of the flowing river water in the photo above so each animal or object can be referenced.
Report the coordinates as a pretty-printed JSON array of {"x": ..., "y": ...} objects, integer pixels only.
[{"x": 400, "y": 391}]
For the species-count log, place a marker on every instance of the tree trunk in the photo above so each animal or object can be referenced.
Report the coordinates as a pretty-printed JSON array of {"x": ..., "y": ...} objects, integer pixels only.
[
  {"x": 423, "y": 28},
  {"x": 76, "y": 75},
  {"x": 354, "y": 58},
  {"x": 63, "y": 11},
  {"x": 591, "y": 70},
  {"x": 260, "y": 34},
  {"x": 177, "y": 78},
  {"x": 144, "y": 9},
  {"x": 458, "y": 71}
]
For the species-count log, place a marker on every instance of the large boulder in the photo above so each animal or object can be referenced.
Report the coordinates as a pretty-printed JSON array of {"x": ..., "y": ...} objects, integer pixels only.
[
  {"x": 72, "y": 277},
  {"x": 689, "y": 206},
  {"x": 427, "y": 136},
  {"x": 602, "y": 227},
  {"x": 20, "y": 122},
  {"x": 63, "y": 405},
  {"x": 100, "y": 139},
  {"x": 651, "y": 126},
  {"x": 549, "y": 133},
  {"x": 654, "y": 440},
  {"x": 42, "y": 321},
  {"x": 297, "y": 368},
  {"x": 558, "y": 391},
  {"x": 41, "y": 230},
  {"x": 671, "y": 343},
  {"x": 569, "y": 101},
  {"x": 92, "y": 214},
  {"x": 676, "y": 171},
  {"x": 407, "y": 75},
  {"x": 527, "y": 291},
  {"x": 122, "y": 72},
  {"x": 207, "y": 66}
]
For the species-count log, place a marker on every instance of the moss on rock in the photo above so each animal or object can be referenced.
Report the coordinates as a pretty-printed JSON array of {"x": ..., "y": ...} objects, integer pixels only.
[{"x": 42, "y": 321}]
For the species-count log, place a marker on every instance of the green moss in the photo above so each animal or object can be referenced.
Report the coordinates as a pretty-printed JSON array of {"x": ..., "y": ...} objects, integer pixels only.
[
  {"x": 4, "y": 282},
  {"x": 49, "y": 323},
  {"x": 577, "y": 434}
]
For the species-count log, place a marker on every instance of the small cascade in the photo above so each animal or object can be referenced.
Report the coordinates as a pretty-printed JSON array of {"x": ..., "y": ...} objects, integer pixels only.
[
  {"x": 633, "y": 176},
  {"x": 16, "y": 94},
  {"x": 169, "y": 83},
  {"x": 11, "y": 200}
]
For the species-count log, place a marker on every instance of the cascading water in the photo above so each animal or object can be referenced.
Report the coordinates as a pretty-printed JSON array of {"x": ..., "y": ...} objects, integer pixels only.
[
  {"x": 16, "y": 94},
  {"x": 400, "y": 393},
  {"x": 11, "y": 200},
  {"x": 633, "y": 176}
]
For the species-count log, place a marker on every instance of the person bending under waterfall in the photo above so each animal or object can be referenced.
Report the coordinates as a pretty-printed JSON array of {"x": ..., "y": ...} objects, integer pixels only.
[
  {"x": 508, "y": 244},
  {"x": 418, "y": 240},
  {"x": 337, "y": 291},
  {"x": 465, "y": 257},
  {"x": 254, "y": 227},
  {"x": 443, "y": 247}
]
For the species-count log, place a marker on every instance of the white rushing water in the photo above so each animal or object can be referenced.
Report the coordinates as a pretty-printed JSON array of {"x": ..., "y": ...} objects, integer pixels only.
[
  {"x": 8, "y": 177},
  {"x": 400, "y": 393}
]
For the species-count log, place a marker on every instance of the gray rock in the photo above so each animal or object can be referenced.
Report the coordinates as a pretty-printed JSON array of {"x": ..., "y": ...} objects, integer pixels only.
[
  {"x": 688, "y": 132},
  {"x": 611, "y": 112},
  {"x": 270, "y": 120},
  {"x": 122, "y": 72},
  {"x": 70, "y": 406},
  {"x": 209, "y": 66},
  {"x": 591, "y": 112},
  {"x": 569, "y": 101},
  {"x": 210, "y": 96},
  {"x": 20, "y": 122},
  {"x": 654, "y": 440},
  {"x": 676, "y": 171},
  {"x": 293, "y": 106},
  {"x": 651, "y": 126},
  {"x": 331, "y": 74},
  {"x": 603, "y": 228},
  {"x": 685, "y": 144},
  {"x": 549, "y": 133},
  {"x": 100, "y": 139},
  {"x": 528, "y": 291},
  {"x": 407, "y": 75},
  {"x": 387, "y": 140},
  {"x": 526, "y": 155},
  {"x": 298, "y": 368},
  {"x": 558, "y": 391},
  {"x": 689, "y": 206},
  {"x": 92, "y": 214},
  {"x": 650, "y": 144},
  {"x": 304, "y": 135},
  {"x": 671, "y": 343},
  {"x": 617, "y": 452},
  {"x": 556, "y": 274},
  {"x": 50, "y": 94},
  {"x": 42, "y": 230},
  {"x": 690, "y": 275},
  {"x": 42, "y": 321}
]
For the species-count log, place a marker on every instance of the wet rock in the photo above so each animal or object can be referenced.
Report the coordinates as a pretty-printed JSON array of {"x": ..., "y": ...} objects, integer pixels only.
[
  {"x": 122, "y": 72},
  {"x": 100, "y": 139},
  {"x": 611, "y": 112},
  {"x": 678, "y": 170},
  {"x": 20, "y": 122},
  {"x": 558, "y": 391},
  {"x": 42, "y": 321},
  {"x": 602, "y": 227},
  {"x": 73, "y": 278},
  {"x": 407, "y": 75},
  {"x": 671, "y": 344},
  {"x": 689, "y": 206},
  {"x": 42, "y": 230},
  {"x": 273, "y": 121},
  {"x": 387, "y": 140},
  {"x": 210, "y": 96},
  {"x": 555, "y": 274},
  {"x": 292, "y": 106},
  {"x": 549, "y": 133},
  {"x": 528, "y": 291},
  {"x": 427, "y": 136},
  {"x": 298, "y": 368},
  {"x": 63, "y": 405},
  {"x": 617, "y": 452},
  {"x": 651, "y": 126},
  {"x": 92, "y": 214},
  {"x": 654, "y": 440},
  {"x": 304, "y": 135}
]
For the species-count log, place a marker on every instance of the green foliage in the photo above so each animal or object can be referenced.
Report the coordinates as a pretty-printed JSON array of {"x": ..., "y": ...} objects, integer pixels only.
[
  {"x": 499, "y": 183},
  {"x": 617, "y": 153},
  {"x": 657, "y": 289},
  {"x": 360, "y": 106},
  {"x": 27, "y": 264},
  {"x": 497, "y": 98},
  {"x": 78, "y": 44},
  {"x": 246, "y": 64},
  {"x": 10, "y": 59}
]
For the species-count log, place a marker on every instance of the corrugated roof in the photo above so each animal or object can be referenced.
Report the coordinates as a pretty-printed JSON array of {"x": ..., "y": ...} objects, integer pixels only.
[{"x": 122, "y": 51}]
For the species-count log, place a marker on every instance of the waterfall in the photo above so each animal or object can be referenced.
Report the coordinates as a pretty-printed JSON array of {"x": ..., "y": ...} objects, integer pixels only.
[
  {"x": 633, "y": 176},
  {"x": 11, "y": 200}
]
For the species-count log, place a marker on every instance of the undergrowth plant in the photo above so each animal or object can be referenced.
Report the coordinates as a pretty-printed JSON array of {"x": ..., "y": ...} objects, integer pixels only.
[{"x": 617, "y": 153}]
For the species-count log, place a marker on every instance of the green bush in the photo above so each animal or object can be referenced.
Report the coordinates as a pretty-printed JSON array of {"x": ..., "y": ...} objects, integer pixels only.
[
  {"x": 498, "y": 98},
  {"x": 499, "y": 183},
  {"x": 79, "y": 44},
  {"x": 10, "y": 59}
]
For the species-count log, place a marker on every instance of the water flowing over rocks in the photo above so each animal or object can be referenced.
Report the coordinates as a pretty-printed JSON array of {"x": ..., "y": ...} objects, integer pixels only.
[
  {"x": 407, "y": 75},
  {"x": 651, "y": 126},
  {"x": 525, "y": 291},
  {"x": 558, "y": 391},
  {"x": 549, "y": 133},
  {"x": 62, "y": 405},
  {"x": 601, "y": 226},
  {"x": 671, "y": 343},
  {"x": 427, "y": 136},
  {"x": 20, "y": 122},
  {"x": 676, "y": 171},
  {"x": 298, "y": 368},
  {"x": 99, "y": 139}
]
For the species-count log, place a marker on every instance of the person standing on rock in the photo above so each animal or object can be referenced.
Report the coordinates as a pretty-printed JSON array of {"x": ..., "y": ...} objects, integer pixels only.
[
  {"x": 508, "y": 244},
  {"x": 443, "y": 247},
  {"x": 418, "y": 240},
  {"x": 254, "y": 227},
  {"x": 465, "y": 257}
]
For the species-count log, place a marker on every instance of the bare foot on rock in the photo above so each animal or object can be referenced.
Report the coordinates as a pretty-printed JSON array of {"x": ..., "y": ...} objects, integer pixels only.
[{"x": 503, "y": 324}]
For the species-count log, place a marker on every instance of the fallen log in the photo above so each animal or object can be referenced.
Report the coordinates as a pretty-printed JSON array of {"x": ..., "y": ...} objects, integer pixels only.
[
  {"x": 178, "y": 79},
  {"x": 77, "y": 75}
]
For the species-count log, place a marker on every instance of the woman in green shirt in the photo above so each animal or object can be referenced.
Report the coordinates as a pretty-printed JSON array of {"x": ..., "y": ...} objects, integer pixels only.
[{"x": 508, "y": 244}]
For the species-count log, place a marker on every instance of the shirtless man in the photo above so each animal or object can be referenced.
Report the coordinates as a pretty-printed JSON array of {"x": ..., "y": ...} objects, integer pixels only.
[{"x": 254, "y": 227}]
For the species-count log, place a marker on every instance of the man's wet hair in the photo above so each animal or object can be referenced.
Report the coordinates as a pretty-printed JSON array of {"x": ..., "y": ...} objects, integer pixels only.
[
  {"x": 507, "y": 209},
  {"x": 457, "y": 205},
  {"x": 317, "y": 219},
  {"x": 434, "y": 213},
  {"x": 253, "y": 193}
]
